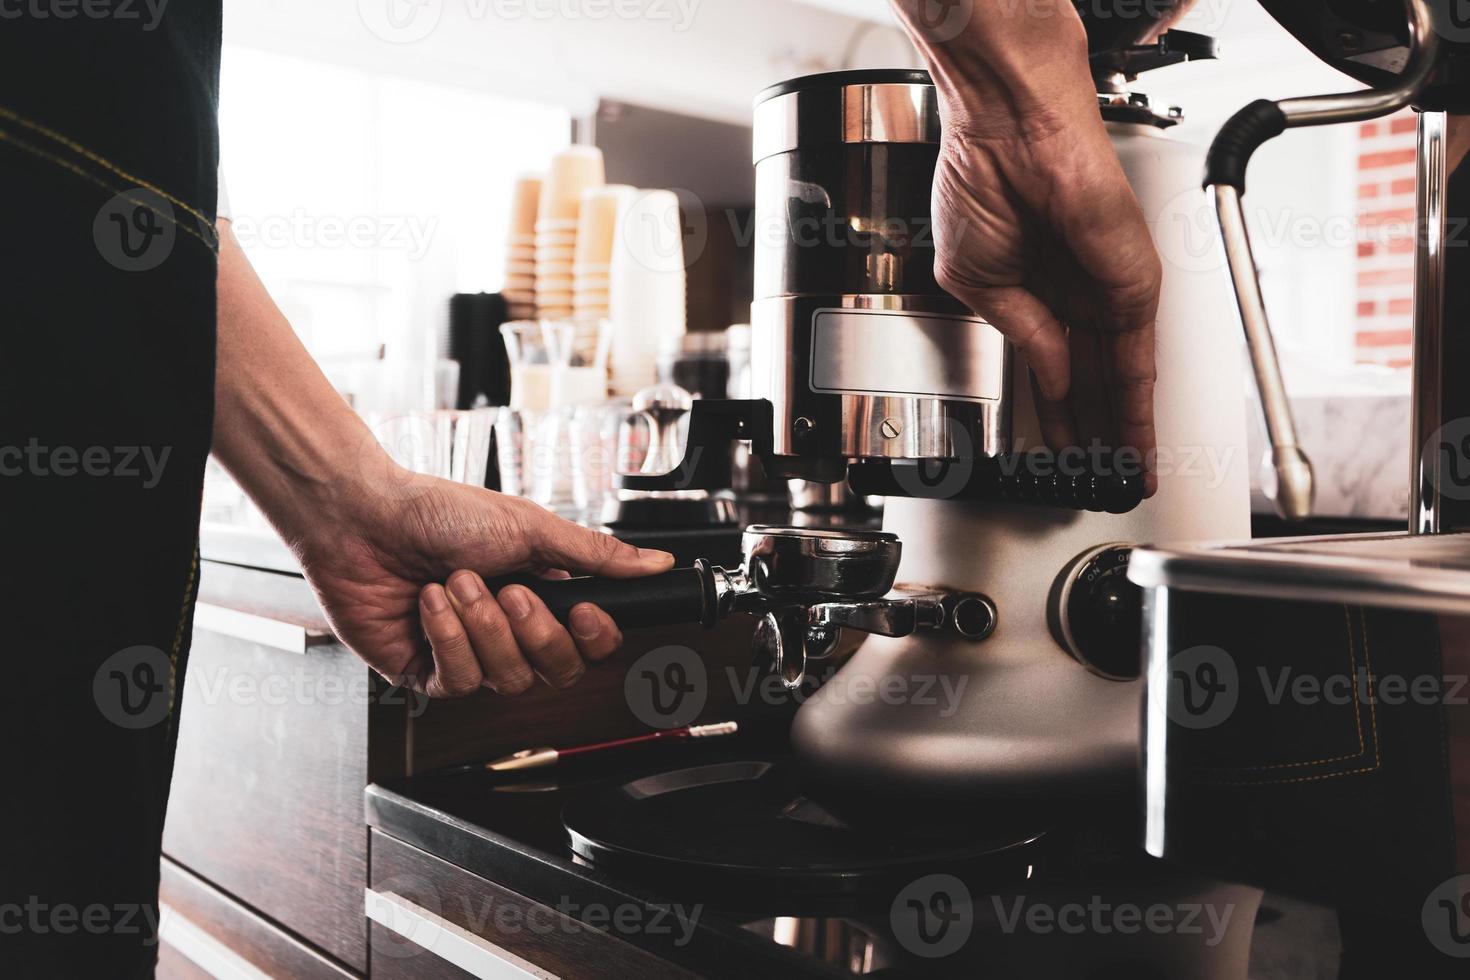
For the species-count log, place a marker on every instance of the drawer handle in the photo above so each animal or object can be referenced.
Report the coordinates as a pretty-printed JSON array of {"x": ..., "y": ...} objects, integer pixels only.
[
  {"x": 474, "y": 954},
  {"x": 268, "y": 632},
  {"x": 202, "y": 949}
]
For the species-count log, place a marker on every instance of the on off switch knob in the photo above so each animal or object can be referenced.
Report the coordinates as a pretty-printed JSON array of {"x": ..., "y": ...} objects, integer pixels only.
[{"x": 1097, "y": 614}]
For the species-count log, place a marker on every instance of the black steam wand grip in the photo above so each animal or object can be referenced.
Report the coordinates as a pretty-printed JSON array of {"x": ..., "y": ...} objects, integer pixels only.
[{"x": 683, "y": 595}]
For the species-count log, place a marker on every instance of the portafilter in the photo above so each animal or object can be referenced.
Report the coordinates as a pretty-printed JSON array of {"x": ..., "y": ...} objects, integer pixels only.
[{"x": 807, "y": 584}]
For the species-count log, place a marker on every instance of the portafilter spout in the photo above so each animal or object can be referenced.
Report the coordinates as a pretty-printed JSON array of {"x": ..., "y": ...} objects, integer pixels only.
[{"x": 1289, "y": 482}]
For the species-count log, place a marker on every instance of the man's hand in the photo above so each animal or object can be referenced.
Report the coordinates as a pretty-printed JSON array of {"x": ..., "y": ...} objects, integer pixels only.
[
  {"x": 396, "y": 558},
  {"x": 378, "y": 574},
  {"x": 1036, "y": 227}
]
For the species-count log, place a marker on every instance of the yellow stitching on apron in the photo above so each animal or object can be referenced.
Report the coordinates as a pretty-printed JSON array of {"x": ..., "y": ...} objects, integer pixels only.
[
  {"x": 46, "y": 131},
  {"x": 1372, "y": 701},
  {"x": 1347, "y": 614},
  {"x": 173, "y": 656},
  {"x": 1357, "y": 708},
  {"x": 1284, "y": 782},
  {"x": 1373, "y": 720},
  {"x": 6, "y": 137}
]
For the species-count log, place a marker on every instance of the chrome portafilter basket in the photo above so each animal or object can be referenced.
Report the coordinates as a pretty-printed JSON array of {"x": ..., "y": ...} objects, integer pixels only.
[
  {"x": 809, "y": 563},
  {"x": 805, "y": 584}
]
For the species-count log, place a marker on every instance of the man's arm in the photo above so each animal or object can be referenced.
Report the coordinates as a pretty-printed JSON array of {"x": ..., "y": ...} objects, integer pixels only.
[
  {"x": 1036, "y": 226},
  {"x": 380, "y": 544}
]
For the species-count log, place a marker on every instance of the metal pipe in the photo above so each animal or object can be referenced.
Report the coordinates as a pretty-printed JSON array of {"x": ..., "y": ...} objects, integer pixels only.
[
  {"x": 1325, "y": 110},
  {"x": 1290, "y": 484},
  {"x": 1426, "y": 513},
  {"x": 1292, "y": 488}
]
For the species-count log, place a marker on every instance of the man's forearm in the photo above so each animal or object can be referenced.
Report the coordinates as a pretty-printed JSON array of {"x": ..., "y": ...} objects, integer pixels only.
[
  {"x": 1021, "y": 61},
  {"x": 282, "y": 431}
]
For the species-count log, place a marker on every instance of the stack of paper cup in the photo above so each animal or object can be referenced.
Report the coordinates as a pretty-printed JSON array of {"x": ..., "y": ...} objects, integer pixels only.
[
  {"x": 572, "y": 172},
  {"x": 596, "y": 228},
  {"x": 520, "y": 254},
  {"x": 646, "y": 288},
  {"x": 554, "y": 245}
]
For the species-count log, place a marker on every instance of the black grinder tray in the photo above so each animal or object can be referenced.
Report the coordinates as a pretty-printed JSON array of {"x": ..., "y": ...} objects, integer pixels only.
[{"x": 744, "y": 835}]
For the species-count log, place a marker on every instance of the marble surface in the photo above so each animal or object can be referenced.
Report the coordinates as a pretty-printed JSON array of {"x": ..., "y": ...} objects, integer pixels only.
[{"x": 1359, "y": 447}]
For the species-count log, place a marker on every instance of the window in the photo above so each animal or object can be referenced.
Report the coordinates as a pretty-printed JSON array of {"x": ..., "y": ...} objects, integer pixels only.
[{"x": 364, "y": 199}]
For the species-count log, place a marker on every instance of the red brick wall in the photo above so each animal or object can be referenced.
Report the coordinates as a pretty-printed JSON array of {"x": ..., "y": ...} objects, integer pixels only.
[{"x": 1385, "y": 240}]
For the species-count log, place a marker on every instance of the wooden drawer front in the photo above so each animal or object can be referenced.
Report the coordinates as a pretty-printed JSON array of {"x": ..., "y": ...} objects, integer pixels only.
[
  {"x": 266, "y": 801},
  {"x": 174, "y": 965},
  {"x": 206, "y": 933},
  {"x": 432, "y": 919}
]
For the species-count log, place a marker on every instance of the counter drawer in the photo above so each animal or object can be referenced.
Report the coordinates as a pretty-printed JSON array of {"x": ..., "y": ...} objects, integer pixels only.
[
  {"x": 432, "y": 919},
  {"x": 266, "y": 799},
  {"x": 205, "y": 933}
]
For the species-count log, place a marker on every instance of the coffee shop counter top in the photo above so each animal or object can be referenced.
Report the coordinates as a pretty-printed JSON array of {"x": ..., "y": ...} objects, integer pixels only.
[{"x": 508, "y": 842}]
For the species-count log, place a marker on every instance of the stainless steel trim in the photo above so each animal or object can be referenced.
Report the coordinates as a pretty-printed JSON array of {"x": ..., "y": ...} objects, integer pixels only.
[
  {"x": 888, "y": 112},
  {"x": 1425, "y": 514},
  {"x": 774, "y": 127},
  {"x": 1268, "y": 571},
  {"x": 907, "y": 354},
  {"x": 1289, "y": 483},
  {"x": 290, "y": 637},
  {"x": 474, "y": 954},
  {"x": 848, "y": 562},
  {"x": 732, "y": 587},
  {"x": 1156, "y": 720},
  {"x": 837, "y": 498},
  {"x": 874, "y": 425},
  {"x": 897, "y": 615},
  {"x": 780, "y": 640}
]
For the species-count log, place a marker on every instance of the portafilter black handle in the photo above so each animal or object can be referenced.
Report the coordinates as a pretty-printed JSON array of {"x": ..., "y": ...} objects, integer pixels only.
[{"x": 683, "y": 595}]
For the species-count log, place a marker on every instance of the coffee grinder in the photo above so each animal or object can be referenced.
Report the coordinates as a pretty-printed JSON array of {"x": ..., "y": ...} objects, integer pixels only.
[
  {"x": 869, "y": 367},
  {"x": 865, "y": 370}
]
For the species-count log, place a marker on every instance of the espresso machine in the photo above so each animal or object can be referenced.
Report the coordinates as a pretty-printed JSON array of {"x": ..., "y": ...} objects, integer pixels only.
[
  {"x": 1021, "y": 580},
  {"x": 1350, "y": 783},
  {"x": 1000, "y": 573}
]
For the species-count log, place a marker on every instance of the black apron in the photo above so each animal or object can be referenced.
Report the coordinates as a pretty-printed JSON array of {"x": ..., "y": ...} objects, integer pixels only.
[{"x": 108, "y": 153}]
